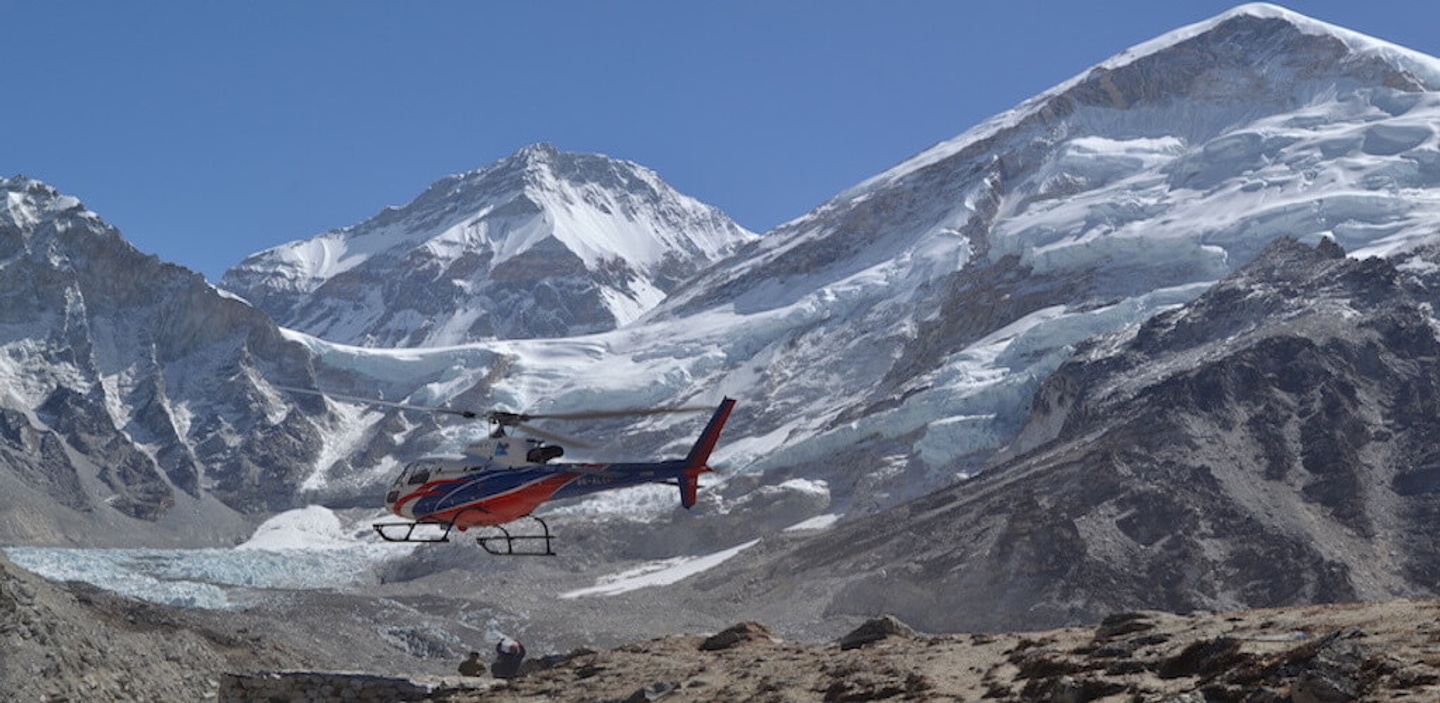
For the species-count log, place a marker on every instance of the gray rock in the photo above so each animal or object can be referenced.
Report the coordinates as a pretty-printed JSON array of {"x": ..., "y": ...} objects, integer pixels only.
[
  {"x": 736, "y": 635},
  {"x": 1313, "y": 687},
  {"x": 659, "y": 690},
  {"x": 1124, "y": 624},
  {"x": 875, "y": 630}
]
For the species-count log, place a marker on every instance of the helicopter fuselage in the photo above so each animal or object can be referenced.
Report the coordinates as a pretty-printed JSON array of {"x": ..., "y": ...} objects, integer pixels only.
[
  {"x": 491, "y": 494},
  {"x": 504, "y": 480}
]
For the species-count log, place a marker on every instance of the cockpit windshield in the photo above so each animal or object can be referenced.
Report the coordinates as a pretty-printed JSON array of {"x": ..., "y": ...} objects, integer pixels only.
[{"x": 415, "y": 473}]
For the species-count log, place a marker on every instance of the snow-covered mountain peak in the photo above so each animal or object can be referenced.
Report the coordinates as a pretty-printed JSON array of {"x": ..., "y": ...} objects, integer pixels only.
[
  {"x": 939, "y": 292},
  {"x": 1256, "y": 57},
  {"x": 541, "y": 243},
  {"x": 1423, "y": 65},
  {"x": 26, "y": 202},
  {"x": 529, "y": 166},
  {"x": 539, "y": 158},
  {"x": 1224, "y": 96},
  {"x": 562, "y": 182},
  {"x": 538, "y": 152}
]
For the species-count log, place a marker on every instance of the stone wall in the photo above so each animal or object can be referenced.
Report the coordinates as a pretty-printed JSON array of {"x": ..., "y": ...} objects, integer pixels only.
[{"x": 308, "y": 686}]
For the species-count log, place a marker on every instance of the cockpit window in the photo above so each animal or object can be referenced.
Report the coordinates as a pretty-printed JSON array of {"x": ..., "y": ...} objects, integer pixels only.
[
  {"x": 404, "y": 475},
  {"x": 418, "y": 472}
]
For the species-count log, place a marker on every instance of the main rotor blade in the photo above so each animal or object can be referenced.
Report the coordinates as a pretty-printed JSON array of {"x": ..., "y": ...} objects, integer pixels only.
[
  {"x": 606, "y": 414},
  {"x": 551, "y": 436},
  {"x": 468, "y": 414}
]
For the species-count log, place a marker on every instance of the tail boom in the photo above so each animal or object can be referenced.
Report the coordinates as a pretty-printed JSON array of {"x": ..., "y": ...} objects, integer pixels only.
[{"x": 695, "y": 462}]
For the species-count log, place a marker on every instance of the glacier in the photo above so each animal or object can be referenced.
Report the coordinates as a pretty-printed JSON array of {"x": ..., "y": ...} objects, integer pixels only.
[{"x": 308, "y": 548}]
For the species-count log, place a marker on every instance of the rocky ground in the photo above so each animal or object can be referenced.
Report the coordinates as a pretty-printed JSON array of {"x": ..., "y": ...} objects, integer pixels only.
[
  {"x": 1388, "y": 651},
  {"x": 61, "y": 643},
  {"x": 73, "y": 642},
  {"x": 69, "y": 642}
]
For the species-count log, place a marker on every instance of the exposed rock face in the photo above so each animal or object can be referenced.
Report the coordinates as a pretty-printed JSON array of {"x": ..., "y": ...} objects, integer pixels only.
[
  {"x": 1269, "y": 443},
  {"x": 543, "y": 243},
  {"x": 131, "y": 385}
]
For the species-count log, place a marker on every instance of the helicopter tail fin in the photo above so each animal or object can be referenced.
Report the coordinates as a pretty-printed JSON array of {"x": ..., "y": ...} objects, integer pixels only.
[
  {"x": 690, "y": 487},
  {"x": 700, "y": 453}
]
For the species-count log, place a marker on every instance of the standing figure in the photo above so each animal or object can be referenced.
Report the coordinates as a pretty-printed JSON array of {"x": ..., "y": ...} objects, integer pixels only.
[
  {"x": 509, "y": 655},
  {"x": 472, "y": 666}
]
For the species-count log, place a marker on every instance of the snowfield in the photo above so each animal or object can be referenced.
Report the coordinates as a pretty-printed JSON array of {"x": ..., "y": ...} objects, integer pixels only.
[
  {"x": 658, "y": 573},
  {"x": 817, "y": 523}
]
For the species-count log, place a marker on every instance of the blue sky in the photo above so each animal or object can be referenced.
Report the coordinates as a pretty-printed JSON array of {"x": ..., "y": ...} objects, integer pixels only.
[{"x": 209, "y": 130}]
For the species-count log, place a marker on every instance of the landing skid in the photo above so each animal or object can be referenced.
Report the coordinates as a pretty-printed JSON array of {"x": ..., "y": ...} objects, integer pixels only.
[
  {"x": 393, "y": 534},
  {"x": 503, "y": 544}
]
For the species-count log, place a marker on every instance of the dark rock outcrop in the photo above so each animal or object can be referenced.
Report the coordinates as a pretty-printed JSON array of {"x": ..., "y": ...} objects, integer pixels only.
[
  {"x": 736, "y": 635},
  {"x": 1255, "y": 447},
  {"x": 872, "y": 631}
]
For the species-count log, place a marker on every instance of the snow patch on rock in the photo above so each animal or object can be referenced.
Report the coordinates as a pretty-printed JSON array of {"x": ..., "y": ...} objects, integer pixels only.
[{"x": 658, "y": 573}]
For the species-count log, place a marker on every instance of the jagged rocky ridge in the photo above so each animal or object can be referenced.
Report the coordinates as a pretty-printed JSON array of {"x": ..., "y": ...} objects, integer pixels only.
[
  {"x": 1270, "y": 443},
  {"x": 134, "y": 392},
  {"x": 543, "y": 243}
]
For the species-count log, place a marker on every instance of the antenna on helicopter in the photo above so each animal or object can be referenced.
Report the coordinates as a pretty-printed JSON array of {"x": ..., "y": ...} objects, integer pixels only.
[{"x": 502, "y": 419}]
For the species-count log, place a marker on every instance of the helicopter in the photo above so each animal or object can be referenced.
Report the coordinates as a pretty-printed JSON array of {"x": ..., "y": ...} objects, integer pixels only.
[{"x": 503, "y": 479}]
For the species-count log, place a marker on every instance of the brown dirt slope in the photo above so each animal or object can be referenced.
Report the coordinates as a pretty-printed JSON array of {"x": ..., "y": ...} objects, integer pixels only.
[
  {"x": 66, "y": 642},
  {"x": 1373, "y": 652}
]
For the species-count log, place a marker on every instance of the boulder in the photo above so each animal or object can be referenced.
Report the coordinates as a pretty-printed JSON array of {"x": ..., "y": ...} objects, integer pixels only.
[
  {"x": 1124, "y": 624},
  {"x": 736, "y": 635},
  {"x": 654, "y": 692},
  {"x": 875, "y": 630},
  {"x": 1204, "y": 658}
]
